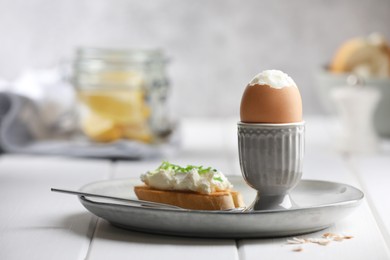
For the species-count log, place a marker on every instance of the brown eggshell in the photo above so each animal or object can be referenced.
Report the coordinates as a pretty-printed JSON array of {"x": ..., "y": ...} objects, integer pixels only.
[{"x": 263, "y": 104}]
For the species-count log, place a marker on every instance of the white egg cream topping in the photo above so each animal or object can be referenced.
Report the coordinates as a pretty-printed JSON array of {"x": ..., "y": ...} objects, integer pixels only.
[
  {"x": 273, "y": 78},
  {"x": 190, "y": 178}
]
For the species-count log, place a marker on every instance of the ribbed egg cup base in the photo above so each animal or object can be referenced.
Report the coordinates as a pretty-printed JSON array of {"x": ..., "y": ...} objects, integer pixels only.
[
  {"x": 272, "y": 202},
  {"x": 271, "y": 160}
]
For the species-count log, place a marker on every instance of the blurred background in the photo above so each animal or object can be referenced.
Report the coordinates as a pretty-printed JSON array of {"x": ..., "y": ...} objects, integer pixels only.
[{"x": 214, "y": 47}]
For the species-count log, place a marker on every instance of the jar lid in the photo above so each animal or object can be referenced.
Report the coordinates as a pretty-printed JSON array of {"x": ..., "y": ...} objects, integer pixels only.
[{"x": 120, "y": 55}]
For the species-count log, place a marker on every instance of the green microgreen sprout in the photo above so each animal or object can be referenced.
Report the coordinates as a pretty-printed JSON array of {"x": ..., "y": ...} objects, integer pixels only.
[
  {"x": 167, "y": 166},
  {"x": 218, "y": 179}
]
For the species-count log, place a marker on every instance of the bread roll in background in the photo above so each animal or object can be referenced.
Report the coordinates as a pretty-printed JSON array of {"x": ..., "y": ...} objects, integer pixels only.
[{"x": 364, "y": 57}]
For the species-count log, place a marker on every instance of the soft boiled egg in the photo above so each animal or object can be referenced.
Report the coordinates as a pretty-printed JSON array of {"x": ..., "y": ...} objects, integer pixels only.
[{"x": 271, "y": 97}]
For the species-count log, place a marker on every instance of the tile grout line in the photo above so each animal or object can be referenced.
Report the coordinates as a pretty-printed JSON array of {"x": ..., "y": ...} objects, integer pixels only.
[
  {"x": 92, "y": 236},
  {"x": 95, "y": 223},
  {"x": 113, "y": 166},
  {"x": 378, "y": 220},
  {"x": 238, "y": 254},
  {"x": 229, "y": 156}
]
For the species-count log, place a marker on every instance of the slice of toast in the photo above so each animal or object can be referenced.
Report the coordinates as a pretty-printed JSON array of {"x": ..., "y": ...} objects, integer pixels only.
[{"x": 191, "y": 200}]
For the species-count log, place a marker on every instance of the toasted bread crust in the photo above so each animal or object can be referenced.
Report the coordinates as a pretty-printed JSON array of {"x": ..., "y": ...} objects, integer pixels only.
[
  {"x": 237, "y": 199},
  {"x": 191, "y": 200}
]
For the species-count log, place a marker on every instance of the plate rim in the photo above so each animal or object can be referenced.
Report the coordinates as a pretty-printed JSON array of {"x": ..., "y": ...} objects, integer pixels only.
[{"x": 353, "y": 202}]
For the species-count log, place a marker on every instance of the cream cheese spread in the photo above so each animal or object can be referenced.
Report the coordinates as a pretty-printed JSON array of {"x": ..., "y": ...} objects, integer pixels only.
[
  {"x": 274, "y": 79},
  {"x": 191, "y": 178}
]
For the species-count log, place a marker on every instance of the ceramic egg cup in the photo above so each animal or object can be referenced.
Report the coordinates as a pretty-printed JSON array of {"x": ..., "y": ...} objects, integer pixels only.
[{"x": 271, "y": 160}]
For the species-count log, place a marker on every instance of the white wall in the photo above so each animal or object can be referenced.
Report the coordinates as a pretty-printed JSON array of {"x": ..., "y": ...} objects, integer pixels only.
[{"x": 215, "y": 46}]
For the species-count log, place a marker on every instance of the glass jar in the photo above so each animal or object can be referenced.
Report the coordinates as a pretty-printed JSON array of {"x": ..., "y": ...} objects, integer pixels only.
[{"x": 123, "y": 94}]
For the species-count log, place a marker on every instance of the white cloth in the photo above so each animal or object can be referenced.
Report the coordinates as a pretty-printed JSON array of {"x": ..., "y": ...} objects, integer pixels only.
[{"x": 37, "y": 116}]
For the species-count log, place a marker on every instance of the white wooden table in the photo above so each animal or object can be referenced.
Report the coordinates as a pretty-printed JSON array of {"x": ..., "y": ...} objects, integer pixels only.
[{"x": 38, "y": 224}]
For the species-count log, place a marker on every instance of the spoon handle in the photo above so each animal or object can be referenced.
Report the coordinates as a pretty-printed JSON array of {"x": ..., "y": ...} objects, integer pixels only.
[{"x": 132, "y": 201}]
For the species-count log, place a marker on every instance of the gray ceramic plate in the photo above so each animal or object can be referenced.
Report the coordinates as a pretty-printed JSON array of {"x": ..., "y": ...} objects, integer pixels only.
[{"x": 320, "y": 204}]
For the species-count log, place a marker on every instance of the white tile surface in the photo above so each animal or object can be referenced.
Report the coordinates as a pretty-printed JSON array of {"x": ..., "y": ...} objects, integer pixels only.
[
  {"x": 374, "y": 173},
  {"x": 367, "y": 243},
  {"x": 36, "y": 223},
  {"x": 324, "y": 163},
  {"x": 113, "y": 243},
  {"x": 55, "y": 226},
  {"x": 109, "y": 240},
  {"x": 360, "y": 247}
]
